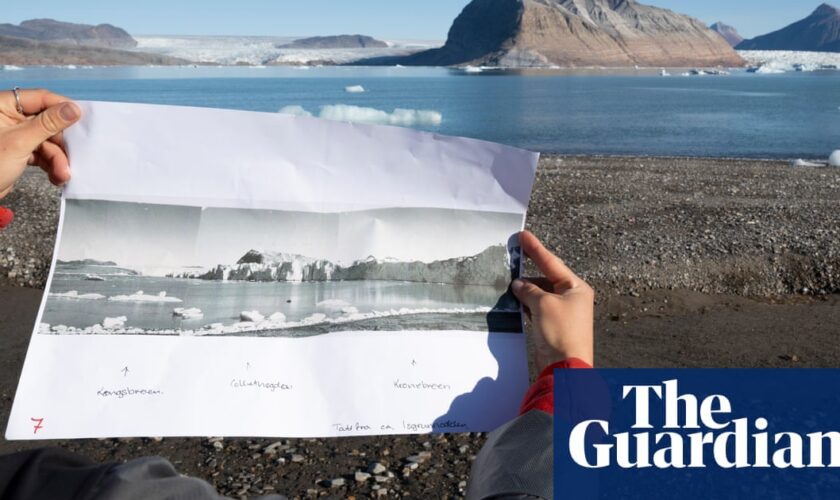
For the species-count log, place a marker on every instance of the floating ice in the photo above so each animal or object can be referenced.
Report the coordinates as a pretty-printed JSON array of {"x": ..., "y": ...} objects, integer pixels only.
[
  {"x": 472, "y": 69},
  {"x": 358, "y": 114},
  {"x": 251, "y": 316},
  {"x": 354, "y": 89},
  {"x": 256, "y": 323},
  {"x": 804, "y": 163},
  {"x": 294, "y": 110},
  {"x": 73, "y": 294},
  {"x": 664, "y": 72},
  {"x": 10, "y": 67},
  {"x": 111, "y": 323},
  {"x": 277, "y": 317},
  {"x": 190, "y": 313},
  {"x": 142, "y": 297},
  {"x": 402, "y": 117},
  {"x": 834, "y": 159},
  {"x": 94, "y": 277}
]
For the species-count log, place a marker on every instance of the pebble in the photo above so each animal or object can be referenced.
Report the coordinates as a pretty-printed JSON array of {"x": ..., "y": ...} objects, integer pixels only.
[
  {"x": 361, "y": 477},
  {"x": 376, "y": 468}
]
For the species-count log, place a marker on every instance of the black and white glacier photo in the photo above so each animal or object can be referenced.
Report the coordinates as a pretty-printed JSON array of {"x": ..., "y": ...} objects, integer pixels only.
[{"x": 143, "y": 269}]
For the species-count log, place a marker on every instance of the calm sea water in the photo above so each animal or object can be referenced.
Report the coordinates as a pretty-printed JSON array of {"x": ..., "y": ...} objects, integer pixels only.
[{"x": 790, "y": 115}]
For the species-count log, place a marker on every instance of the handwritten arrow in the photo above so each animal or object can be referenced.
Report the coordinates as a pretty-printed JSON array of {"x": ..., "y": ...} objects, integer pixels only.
[{"x": 125, "y": 371}]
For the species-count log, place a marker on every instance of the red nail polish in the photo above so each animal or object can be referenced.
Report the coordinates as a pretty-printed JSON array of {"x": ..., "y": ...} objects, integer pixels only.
[{"x": 6, "y": 217}]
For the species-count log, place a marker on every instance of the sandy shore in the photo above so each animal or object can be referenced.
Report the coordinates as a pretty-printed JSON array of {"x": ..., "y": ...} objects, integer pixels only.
[{"x": 697, "y": 263}]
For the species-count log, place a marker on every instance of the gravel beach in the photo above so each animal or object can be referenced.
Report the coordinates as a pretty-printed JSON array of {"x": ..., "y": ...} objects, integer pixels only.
[{"x": 696, "y": 262}]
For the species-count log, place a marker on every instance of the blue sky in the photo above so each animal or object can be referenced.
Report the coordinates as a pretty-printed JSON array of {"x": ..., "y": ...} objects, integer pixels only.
[{"x": 392, "y": 19}]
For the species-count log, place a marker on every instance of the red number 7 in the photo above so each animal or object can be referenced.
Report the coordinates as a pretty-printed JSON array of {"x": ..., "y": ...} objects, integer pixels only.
[{"x": 38, "y": 424}]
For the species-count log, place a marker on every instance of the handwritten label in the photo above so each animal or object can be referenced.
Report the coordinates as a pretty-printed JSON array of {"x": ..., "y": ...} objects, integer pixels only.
[
  {"x": 39, "y": 424},
  {"x": 421, "y": 386},
  {"x": 239, "y": 383},
  {"x": 446, "y": 425},
  {"x": 127, "y": 392},
  {"x": 357, "y": 427}
]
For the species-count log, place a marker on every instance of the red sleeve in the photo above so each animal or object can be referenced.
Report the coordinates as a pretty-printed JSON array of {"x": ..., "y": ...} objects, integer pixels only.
[
  {"x": 541, "y": 395},
  {"x": 6, "y": 217}
]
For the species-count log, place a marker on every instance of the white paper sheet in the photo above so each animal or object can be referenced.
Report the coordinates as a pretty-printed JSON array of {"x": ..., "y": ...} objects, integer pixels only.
[{"x": 258, "y": 274}]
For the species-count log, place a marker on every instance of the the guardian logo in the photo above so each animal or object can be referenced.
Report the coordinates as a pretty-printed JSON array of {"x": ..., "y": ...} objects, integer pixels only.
[{"x": 696, "y": 434}]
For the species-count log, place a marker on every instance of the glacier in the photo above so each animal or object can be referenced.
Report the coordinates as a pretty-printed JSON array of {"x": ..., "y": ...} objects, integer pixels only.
[
  {"x": 260, "y": 51},
  {"x": 784, "y": 61},
  {"x": 492, "y": 267}
]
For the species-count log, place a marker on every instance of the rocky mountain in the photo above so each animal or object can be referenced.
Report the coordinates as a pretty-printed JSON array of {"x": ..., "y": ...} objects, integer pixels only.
[
  {"x": 489, "y": 267},
  {"x": 24, "y": 52},
  {"x": 49, "y": 30},
  {"x": 575, "y": 33},
  {"x": 730, "y": 34},
  {"x": 819, "y": 32},
  {"x": 336, "y": 42}
]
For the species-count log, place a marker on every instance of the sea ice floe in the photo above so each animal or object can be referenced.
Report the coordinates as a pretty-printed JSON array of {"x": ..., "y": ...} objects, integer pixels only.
[
  {"x": 142, "y": 297},
  {"x": 10, "y": 67},
  {"x": 73, "y": 294},
  {"x": 110, "y": 323},
  {"x": 354, "y": 89},
  {"x": 188, "y": 313}
]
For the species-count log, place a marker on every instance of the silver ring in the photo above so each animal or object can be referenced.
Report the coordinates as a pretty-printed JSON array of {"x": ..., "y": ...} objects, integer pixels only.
[{"x": 16, "y": 92}]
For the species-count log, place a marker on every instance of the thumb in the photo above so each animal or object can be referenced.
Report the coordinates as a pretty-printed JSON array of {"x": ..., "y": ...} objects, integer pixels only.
[
  {"x": 46, "y": 124},
  {"x": 528, "y": 293}
]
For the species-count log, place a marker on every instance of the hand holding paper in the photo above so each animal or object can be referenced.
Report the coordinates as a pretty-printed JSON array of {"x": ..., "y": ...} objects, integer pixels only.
[{"x": 209, "y": 260}]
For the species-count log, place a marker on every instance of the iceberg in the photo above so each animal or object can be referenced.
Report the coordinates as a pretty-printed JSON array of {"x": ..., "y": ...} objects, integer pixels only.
[
  {"x": 354, "y": 89},
  {"x": 143, "y": 298},
  {"x": 191, "y": 313},
  {"x": 357, "y": 114},
  {"x": 803, "y": 163},
  {"x": 112, "y": 323},
  {"x": 251, "y": 316},
  {"x": 834, "y": 159},
  {"x": 10, "y": 67}
]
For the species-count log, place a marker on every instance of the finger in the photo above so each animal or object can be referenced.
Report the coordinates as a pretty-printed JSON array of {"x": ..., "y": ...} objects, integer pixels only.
[
  {"x": 53, "y": 161},
  {"x": 32, "y": 101},
  {"x": 31, "y": 133},
  {"x": 529, "y": 294},
  {"x": 549, "y": 264}
]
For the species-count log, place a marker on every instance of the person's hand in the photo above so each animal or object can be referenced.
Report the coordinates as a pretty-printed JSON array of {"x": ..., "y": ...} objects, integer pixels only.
[
  {"x": 34, "y": 137},
  {"x": 560, "y": 306}
]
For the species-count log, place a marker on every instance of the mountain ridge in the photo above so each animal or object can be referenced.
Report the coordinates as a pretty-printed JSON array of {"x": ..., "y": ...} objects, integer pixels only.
[
  {"x": 63, "y": 33},
  {"x": 574, "y": 33},
  {"x": 730, "y": 34},
  {"x": 819, "y": 32}
]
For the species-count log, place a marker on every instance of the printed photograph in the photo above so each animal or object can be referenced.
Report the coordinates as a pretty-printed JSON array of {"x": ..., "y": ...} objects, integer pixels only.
[{"x": 141, "y": 269}]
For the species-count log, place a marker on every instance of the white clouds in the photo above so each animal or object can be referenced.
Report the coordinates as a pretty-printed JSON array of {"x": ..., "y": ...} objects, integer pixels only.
[{"x": 358, "y": 114}]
